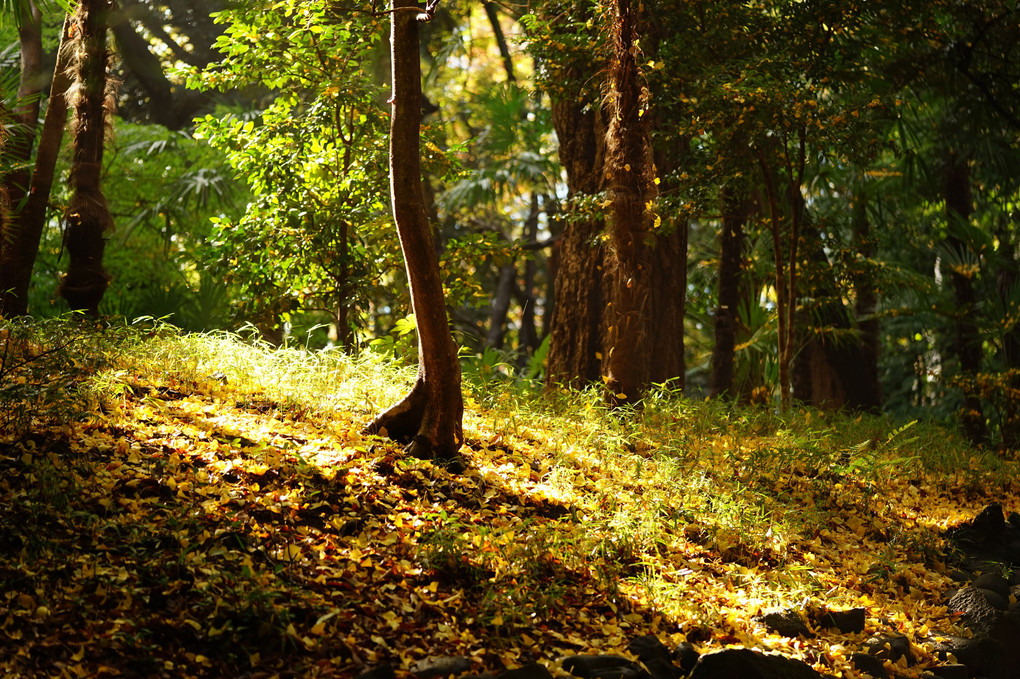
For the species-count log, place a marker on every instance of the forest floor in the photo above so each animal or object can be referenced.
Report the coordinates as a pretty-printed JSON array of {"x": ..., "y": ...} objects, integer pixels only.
[{"x": 182, "y": 506}]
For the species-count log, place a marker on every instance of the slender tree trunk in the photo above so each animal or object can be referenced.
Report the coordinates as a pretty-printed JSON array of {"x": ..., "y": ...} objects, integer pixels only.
[
  {"x": 1006, "y": 283},
  {"x": 783, "y": 317},
  {"x": 497, "y": 33},
  {"x": 835, "y": 366},
  {"x": 869, "y": 392},
  {"x": 967, "y": 338},
  {"x": 501, "y": 306},
  {"x": 26, "y": 115},
  {"x": 727, "y": 318},
  {"x": 23, "y": 233},
  {"x": 785, "y": 259},
  {"x": 527, "y": 341},
  {"x": 430, "y": 417},
  {"x": 87, "y": 220},
  {"x": 507, "y": 290},
  {"x": 18, "y": 151}
]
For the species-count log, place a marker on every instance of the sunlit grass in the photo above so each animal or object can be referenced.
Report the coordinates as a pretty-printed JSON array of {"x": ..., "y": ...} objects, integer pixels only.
[{"x": 673, "y": 477}]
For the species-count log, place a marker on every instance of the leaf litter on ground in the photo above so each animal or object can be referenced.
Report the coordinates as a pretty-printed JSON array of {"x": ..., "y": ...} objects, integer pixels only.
[{"x": 216, "y": 512}]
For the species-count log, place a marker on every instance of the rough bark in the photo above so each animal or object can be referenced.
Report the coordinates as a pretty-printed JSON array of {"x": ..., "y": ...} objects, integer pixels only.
[
  {"x": 967, "y": 340},
  {"x": 23, "y": 232},
  {"x": 18, "y": 152},
  {"x": 430, "y": 417},
  {"x": 727, "y": 318},
  {"x": 576, "y": 324},
  {"x": 628, "y": 265},
  {"x": 87, "y": 219}
]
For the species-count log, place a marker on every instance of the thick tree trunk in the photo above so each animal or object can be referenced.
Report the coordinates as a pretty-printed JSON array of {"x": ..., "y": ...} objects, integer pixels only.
[
  {"x": 430, "y": 417},
  {"x": 727, "y": 317},
  {"x": 833, "y": 368},
  {"x": 646, "y": 264},
  {"x": 576, "y": 326},
  {"x": 628, "y": 265},
  {"x": 967, "y": 338},
  {"x": 87, "y": 219},
  {"x": 23, "y": 232}
]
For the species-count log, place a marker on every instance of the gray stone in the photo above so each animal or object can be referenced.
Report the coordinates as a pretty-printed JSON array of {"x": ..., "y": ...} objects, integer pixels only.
[
  {"x": 743, "y": 663},
  {"x": 890, "y": 647},
  {"x": 990, "y": 522},
  {"x": 994, "y": 582},
  {"x": 649, "y": 647},
  {"x": 979, "y": 615},
  {"x": 995, "y": 599},
  {"x": 982, "y": 655},
  {"x": 950, "y": 672},
  {"x": 786, "y": 623},
  {"x": 530, "y": 671},
  {"x": 442, "y": 666},
  {"x": 656, "y": 658},
  {"x": 849, "y": 622},
  {"x": 381, "y": 672},
  {"x": 870, "y": 665},
  {"x": 686, "y": 656},
  {"x": 602, "y": 667}
]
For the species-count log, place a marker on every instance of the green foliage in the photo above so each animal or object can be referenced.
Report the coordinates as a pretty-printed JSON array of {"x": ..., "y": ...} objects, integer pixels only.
[
  {"x": 316, "y": 235},
  {"x": 401, "y": 343},
  {"x": 168, "y": 187},
  {"x": 13, "y": 12}
]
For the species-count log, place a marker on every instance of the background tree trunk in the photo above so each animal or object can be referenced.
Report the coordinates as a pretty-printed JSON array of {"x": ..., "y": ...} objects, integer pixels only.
[
  {"x": 869, "y": 391},
  {"x": 18, "y": 152},
  {"x": 576, "y": 327},
  {"x": 430, "y": 417},
  {"x": 23, "y": 232},
  {"x": 87, "y": 219},
  {"x": 727, "y": 317},
  {"x": 967, "y": 339}
]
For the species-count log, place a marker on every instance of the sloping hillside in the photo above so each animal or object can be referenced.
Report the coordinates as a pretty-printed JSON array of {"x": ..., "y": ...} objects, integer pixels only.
[{"x": 201, "y": 506}]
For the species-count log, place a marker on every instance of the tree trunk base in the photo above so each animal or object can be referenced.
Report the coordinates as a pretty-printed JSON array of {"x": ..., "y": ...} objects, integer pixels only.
[{"x": 421, "y": 421}]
